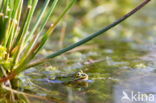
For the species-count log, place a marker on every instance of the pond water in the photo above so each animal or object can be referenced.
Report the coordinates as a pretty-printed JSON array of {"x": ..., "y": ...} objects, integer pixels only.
[
  {"x": 117, "y": 66},
  {"x": 116, "y": 70}
]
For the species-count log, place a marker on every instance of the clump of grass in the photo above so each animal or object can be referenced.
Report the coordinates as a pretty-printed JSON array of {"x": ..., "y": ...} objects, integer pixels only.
[{"x": 20, "y": 42}]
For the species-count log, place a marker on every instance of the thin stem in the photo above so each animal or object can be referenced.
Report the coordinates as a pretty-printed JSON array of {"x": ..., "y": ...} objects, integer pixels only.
[
  {"x": 52, "y": 99},
  {"x": 92, "y": 36},
  {"x": 24, "y": 30},
  {"x": 36, "y": 36},
  {"x": 43, "y": 40},
  {"x": 9, "y": 84},
  {"x": 39, "y": 19},
  {"x": 51, "y": 29}
]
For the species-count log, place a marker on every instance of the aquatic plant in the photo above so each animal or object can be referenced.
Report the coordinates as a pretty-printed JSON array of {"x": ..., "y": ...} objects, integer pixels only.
[{"x": 20, "y": 42}]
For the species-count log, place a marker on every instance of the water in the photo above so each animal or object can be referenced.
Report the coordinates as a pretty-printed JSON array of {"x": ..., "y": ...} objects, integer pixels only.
[{"x": 118, "y": 69}]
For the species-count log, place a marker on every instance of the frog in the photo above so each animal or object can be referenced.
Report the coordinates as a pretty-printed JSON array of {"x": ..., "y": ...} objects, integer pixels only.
[{"x": 77, "y": 77}]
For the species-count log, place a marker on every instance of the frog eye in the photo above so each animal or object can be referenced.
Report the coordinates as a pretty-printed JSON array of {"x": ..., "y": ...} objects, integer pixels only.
[
  {"x": 83, "y": 74},
  {"x": 78, "y": 74}
]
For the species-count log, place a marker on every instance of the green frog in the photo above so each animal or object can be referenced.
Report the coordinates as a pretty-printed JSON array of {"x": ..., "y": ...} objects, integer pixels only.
[{"x": 74, "y": 78}]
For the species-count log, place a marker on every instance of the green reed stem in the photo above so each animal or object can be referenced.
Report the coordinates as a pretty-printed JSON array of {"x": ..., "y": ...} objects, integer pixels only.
[
  {"x": 35, "y": 38},
  {"x": 50, "y": 30},
  {"x": 25, "y": 29},
  {"x": 43, "y": 40},
  {"x": 92, "y": 36}
]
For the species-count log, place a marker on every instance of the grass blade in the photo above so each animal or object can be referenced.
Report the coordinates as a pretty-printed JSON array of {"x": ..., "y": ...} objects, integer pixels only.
[
  {"x": 35, "y": 38},
  {"x": 39, "y": 45},
  {"x": 25, "y": 29},
  {"x": 50, "y": 30},
  {"x": 38, "y": 19},
  {"x": 92, "y": 36}
]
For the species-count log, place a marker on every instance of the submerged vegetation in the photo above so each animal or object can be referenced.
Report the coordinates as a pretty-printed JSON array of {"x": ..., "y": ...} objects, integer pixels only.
[{"x": 20, "y": 41}]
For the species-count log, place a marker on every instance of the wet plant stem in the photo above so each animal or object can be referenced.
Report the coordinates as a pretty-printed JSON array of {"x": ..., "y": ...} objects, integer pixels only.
[{"x": 8, "y": 83}]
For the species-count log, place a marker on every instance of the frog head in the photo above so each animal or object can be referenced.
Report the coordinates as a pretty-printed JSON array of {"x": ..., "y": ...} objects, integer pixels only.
[{"x": 81, "y": 75}]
